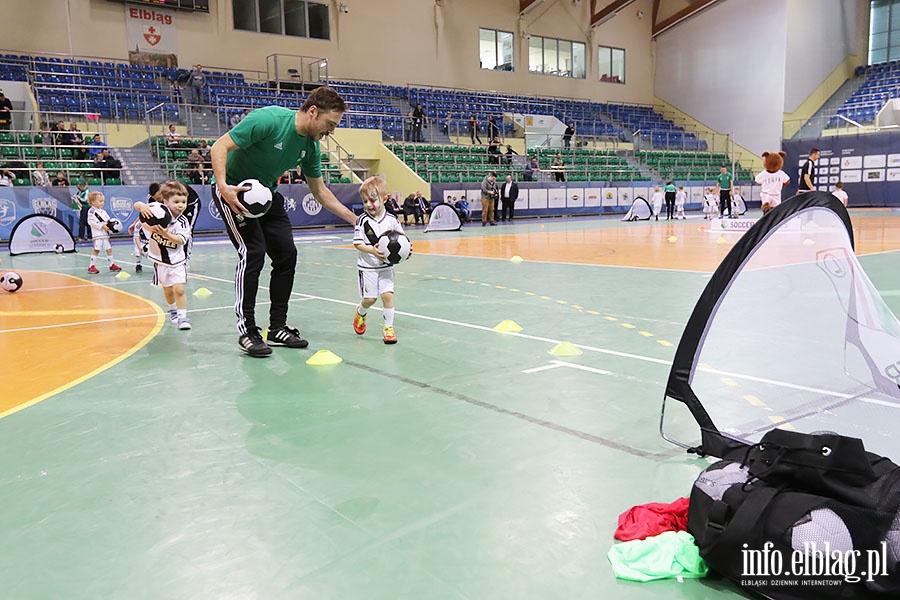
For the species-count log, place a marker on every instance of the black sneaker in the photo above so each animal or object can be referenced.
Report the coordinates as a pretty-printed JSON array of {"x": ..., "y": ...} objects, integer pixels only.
[
  {"x": 252, "y": 344},
  {"x": 286, "y": 336},
  {"x": 138, "y": 268}
]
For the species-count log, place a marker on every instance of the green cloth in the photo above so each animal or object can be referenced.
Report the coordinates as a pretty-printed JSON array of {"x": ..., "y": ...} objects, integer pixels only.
[
  {"x": 724, "y": 180},
  {"x": 268, "y": 145},
  {"x": 670, "y": 188},
  {"x": 664, "y": 556},
  {"x": 82, "y": 197}
]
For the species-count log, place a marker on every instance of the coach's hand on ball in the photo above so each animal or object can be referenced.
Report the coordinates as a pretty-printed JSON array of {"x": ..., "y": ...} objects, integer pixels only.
[{"x": 229, "y": 195}]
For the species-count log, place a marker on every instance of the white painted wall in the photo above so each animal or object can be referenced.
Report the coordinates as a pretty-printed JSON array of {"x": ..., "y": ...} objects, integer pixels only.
[
  {"x": 725, "y": 67},
  {"x": 820, "y": 35}
]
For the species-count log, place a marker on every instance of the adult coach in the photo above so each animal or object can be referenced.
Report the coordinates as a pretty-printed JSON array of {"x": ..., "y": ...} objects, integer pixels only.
[
  {"x": 723, "y": 188},
  {"x": 265, "y": 144},
  {"x": 808, "y": 172}
]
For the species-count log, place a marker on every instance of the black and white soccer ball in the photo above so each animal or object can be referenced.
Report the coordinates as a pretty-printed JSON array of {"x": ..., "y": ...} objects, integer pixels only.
[
  {"x": 59, "y": 248},
  {"x": 114, "y": 225},
  {"x": 161, "y": 215},
  {"x": 395, "y": 246},
  {"x": 258, "y": 199},
  {"x": 11, "y": 281}
]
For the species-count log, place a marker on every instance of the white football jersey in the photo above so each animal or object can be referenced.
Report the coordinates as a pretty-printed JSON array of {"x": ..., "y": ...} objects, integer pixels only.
[
  {"x": 97, "y": 218},
  {"x": 367, "y": 231},
  {"x": 161, "y": 250}
]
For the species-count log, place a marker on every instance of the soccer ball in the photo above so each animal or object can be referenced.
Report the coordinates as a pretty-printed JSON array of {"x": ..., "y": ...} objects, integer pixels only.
[
  {"x": 58, "y": 248},
  {"x": 258, "y": 199},
  {"x": 114, "y": 225},
  {"x": 161, "y": 215},
  {"x": 395, "y": 246},
  {"x": 10, "y": 281}
]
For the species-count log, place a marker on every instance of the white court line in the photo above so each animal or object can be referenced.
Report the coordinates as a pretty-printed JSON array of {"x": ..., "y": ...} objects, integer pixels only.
[{"x": 75, "y": 324}]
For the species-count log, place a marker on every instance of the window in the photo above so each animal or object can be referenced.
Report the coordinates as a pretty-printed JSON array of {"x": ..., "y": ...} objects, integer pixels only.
[
  {"x": 550, "y": 56},
  {"x": 495, "y": 50},
  {"x": 611, "y": 64},
  {"x": 300, "y": 18},
  {"x": 884, "y": 31}
]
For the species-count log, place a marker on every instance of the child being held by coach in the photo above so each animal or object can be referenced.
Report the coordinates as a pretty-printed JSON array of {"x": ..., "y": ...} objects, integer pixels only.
[
  {"x": 376, "y": 275},
  {"x": 100, "y": 222},
  {"x": 167, "y": 249},
  {"x": 139, "y": 234}
]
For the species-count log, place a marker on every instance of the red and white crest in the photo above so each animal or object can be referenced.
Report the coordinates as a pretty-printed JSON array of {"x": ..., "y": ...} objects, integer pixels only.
[{"x": 151, "y": 34}]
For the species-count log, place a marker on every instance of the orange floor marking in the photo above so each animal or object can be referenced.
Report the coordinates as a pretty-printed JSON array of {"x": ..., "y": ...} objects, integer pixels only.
[{"x": 58, "y": 330}]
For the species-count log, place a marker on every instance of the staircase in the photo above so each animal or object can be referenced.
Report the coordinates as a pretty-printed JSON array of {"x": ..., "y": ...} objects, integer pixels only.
[{"x": 138, "y": 165}]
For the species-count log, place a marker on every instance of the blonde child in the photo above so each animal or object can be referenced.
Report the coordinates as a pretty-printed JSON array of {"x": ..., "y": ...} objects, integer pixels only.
[
  {"x": 710, "y": 203},
  {"x": 99, "y": 219},
  {"x": 376, "y": 276},
  {"x": 680, "y": 199},
  {"x": 839, "y": 193},
  {"x": 656, "y": 201},
  {"x": 166, "y": 248}
]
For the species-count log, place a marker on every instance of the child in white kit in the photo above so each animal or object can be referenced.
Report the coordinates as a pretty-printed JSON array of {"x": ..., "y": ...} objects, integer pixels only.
[
  {"x": 166, "y": 248},
  {"x": 139, "y": 234},
  {"x": 840, "y": 194},
  {"x": 680, "y": 199},
  {"x": 710, "y": 204},
  {"x": 656, "y": 201},
  {"x": 99, "y": 221}
]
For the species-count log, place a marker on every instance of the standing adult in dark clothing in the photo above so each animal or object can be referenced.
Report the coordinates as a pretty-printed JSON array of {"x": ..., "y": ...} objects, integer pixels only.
[
  {"x": 567, "y": 135},
  {"x": 493, "y": 130},
  {"x": 808, "y": 172},
  {"x": 509, "y": 193},
  {"x": 418, "y": 122},
  {"x": 473, "y": 129},
  {"x": 5, "y": 112},
  {"x": 488, "y": 198},
  {"x": 494, "y": 151},
  {"x": 670, "y": 191}
]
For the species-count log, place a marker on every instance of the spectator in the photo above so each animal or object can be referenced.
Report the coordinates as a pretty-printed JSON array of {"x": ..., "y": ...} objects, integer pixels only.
[
  {"x": 235, "y": 118},
  {"x": 509, "y": 154},
  {"x": 509, "y": 193},
  {"x": 411, "y": 207},
  {"x": 46, "y": 134},
  {"x": 204, "y": 154},
  {"x": 40, "y": 176},
  {"x": 297, "y": 175},
  {"x": 419, "y": 121},
  {"x": 445, "y": 125},
  {"x": 473, "y": 129},
  {"x": 530, "y": 169},
  {"x": 6, "y": 177},
  {"x": 106, "y": 166},
  {"x": 408, "y": 127},
  {"x": 61, "y": 179},
  {"x": 494, "y": 151},
  {"x": 75, "y": 138},
  {"x": 493, "y": 130},
  {"x": 96, "y": 146},
  {"x": 390, "y": 205},
  {"x": 463, "y": 209},
  {"x": 558, "y": 168},
  {"x": 194, "y": 158},
  {"x": 195, "y": 84},
  {"x": 173, "y": 138},
  {"x": 199, "y": 177},
  {"x": 59, "y": 134},
  {"x": 488, "y": 198},
  {"x": 424, "y": 205},
  {"x": 5, "y": 112},
  {"x": 567, "y": 135}
]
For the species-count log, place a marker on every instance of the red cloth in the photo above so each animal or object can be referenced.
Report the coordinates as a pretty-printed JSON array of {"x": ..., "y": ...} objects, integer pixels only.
[{"x": 645, "y": 520}]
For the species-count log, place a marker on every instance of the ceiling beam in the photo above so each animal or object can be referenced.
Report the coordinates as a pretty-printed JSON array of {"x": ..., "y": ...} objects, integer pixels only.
[
  {"x": 526, "y": 6},
  {"x": 694, "y": 7},
  {"x": 607, "y": 12}
]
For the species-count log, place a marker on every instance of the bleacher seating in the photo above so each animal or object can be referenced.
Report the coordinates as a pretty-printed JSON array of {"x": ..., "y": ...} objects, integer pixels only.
[
  {"x": 24, "y": 151},
  {"x": 684, "y": 166},
  {"x": 882, "y": 82}
]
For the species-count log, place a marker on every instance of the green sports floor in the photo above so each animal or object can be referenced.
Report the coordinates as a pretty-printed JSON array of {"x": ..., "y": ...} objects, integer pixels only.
[{"x": 461, "y": 463}]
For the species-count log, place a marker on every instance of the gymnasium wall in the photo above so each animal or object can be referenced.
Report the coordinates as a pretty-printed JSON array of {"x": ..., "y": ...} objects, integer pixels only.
[{"x": 392, "y": 41}]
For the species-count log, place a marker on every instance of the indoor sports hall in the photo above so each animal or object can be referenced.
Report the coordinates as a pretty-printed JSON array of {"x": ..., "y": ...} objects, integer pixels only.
[{"x": 490, "y": 452}]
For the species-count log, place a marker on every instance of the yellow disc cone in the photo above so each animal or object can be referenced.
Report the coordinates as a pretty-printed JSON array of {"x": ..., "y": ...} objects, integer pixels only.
[
  {"x": 721, "y": 239},
  {"x": 517, "y": 259},
  {"x": 323, "y": 358},
  {"x": 123, "y": 275},
  {"x": 673, "y": 239},
  {"x": 507, "y": 326},
  {"x": 565, "y": 349},
  {"x": 203, "y": 293}
]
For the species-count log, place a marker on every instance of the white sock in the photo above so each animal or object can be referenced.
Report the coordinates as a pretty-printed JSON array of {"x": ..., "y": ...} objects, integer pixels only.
[
  {"x": 93, "y": 260},
  {"x": 172, "y": 306},
  {"x": 388, "y": 316},
  {"x": 182, "y": 313},
  {"x": 362, "y": 310}
]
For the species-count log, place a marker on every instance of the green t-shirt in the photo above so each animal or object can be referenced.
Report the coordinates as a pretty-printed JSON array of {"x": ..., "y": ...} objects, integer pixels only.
[
  {"x": 269, "y": 145},
  {"x": 82, "y": 197},
  {"x": 724, "y": 180},
  {"x": 670, "y": 188}
]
